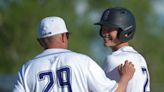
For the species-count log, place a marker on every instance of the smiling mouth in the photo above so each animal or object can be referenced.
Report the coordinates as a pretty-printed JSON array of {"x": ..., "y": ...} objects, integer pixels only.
[{"x": 106, "y": 38}]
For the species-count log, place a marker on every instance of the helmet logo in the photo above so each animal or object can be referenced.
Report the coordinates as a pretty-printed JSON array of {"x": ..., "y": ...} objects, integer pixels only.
[
  {"x": 128, "y": 27},
  {"x": 106, "y": 14}
]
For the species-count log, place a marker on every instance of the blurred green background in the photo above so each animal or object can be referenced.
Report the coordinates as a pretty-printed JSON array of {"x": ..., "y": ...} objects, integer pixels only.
[{"x": 19, "y": 21}]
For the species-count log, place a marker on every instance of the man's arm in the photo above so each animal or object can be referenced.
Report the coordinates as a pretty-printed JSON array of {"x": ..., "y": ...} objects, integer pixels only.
[
  {"x": 19, "y": 84},
  {"x": 126, "y": 73}
]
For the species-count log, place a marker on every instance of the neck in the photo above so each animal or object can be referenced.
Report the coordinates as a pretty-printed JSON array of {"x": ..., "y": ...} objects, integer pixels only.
[
  {"x": 57, "y": 46},
  {"x": 115, "y": 48}
]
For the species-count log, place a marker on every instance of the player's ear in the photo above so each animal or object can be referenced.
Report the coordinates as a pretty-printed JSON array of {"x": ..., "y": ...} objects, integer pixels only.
[{"x": 63, "y": 37}]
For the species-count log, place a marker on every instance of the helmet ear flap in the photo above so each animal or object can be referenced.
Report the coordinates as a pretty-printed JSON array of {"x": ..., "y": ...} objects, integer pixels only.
[{"x": 125, "y": 35}]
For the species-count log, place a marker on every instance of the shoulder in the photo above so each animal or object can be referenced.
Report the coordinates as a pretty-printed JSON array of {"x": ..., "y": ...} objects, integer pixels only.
[
  {"x": 112, "y": 61},
  {"x": 127, "y": 52},
  {"x": 81, "y": 58},
  {"x": 75, "y": 54},
  {"x": 119, "y": 57},
  {"x": 115, "y": 57}
]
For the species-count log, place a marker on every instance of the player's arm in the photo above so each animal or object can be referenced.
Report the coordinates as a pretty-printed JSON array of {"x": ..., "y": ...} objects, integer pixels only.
[
  {"x": 126, "y": 73},
  {"x": 19, "y": 84}
]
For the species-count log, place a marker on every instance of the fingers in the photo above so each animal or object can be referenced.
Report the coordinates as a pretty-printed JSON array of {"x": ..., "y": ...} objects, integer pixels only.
[
  {"x": 127, "y": 69},
  {"x": 120, "y": 66},
  {"x": 128, "y": 63}
]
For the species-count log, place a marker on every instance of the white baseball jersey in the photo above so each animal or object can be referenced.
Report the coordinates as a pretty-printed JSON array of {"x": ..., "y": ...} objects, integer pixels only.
[
  {"x": 61, "y": 70},
  {"x": 140, "y": 81}
]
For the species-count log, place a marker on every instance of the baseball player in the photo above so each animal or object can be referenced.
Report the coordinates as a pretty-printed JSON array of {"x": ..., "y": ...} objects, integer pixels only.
[
  {"x": 57, "y": 69},
  {"x": 117, "y": 28}
]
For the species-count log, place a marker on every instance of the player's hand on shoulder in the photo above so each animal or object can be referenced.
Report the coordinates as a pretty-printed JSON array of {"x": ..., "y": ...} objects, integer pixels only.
[{"x": 127, "y": 70}]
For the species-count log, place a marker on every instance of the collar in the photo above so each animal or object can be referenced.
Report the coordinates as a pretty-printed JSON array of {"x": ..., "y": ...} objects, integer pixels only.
[
  {"x": 52, "y": 51},
  {"x": 126, "y": 49}
]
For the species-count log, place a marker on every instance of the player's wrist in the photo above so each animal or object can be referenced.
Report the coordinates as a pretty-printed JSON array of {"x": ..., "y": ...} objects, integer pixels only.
[
  {"x": 124, "y": 80},
  {"x": 122, "y": 84}
]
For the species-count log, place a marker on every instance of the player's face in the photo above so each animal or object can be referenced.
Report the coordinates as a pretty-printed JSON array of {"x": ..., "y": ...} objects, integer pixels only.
[{"x": 109, "y": 35}]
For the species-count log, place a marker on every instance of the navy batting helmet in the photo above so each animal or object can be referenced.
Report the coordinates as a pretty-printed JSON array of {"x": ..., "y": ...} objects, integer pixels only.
[{"x": 119, "y": 18}]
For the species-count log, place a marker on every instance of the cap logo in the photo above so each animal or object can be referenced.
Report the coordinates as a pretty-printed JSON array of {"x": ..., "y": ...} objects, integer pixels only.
[{"x": 47, "y": 33}]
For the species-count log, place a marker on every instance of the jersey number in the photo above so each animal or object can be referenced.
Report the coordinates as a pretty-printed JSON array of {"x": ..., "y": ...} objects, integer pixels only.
[
  {"x": 63, "y": 77},
  {"x": 144, "y": 71}
]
